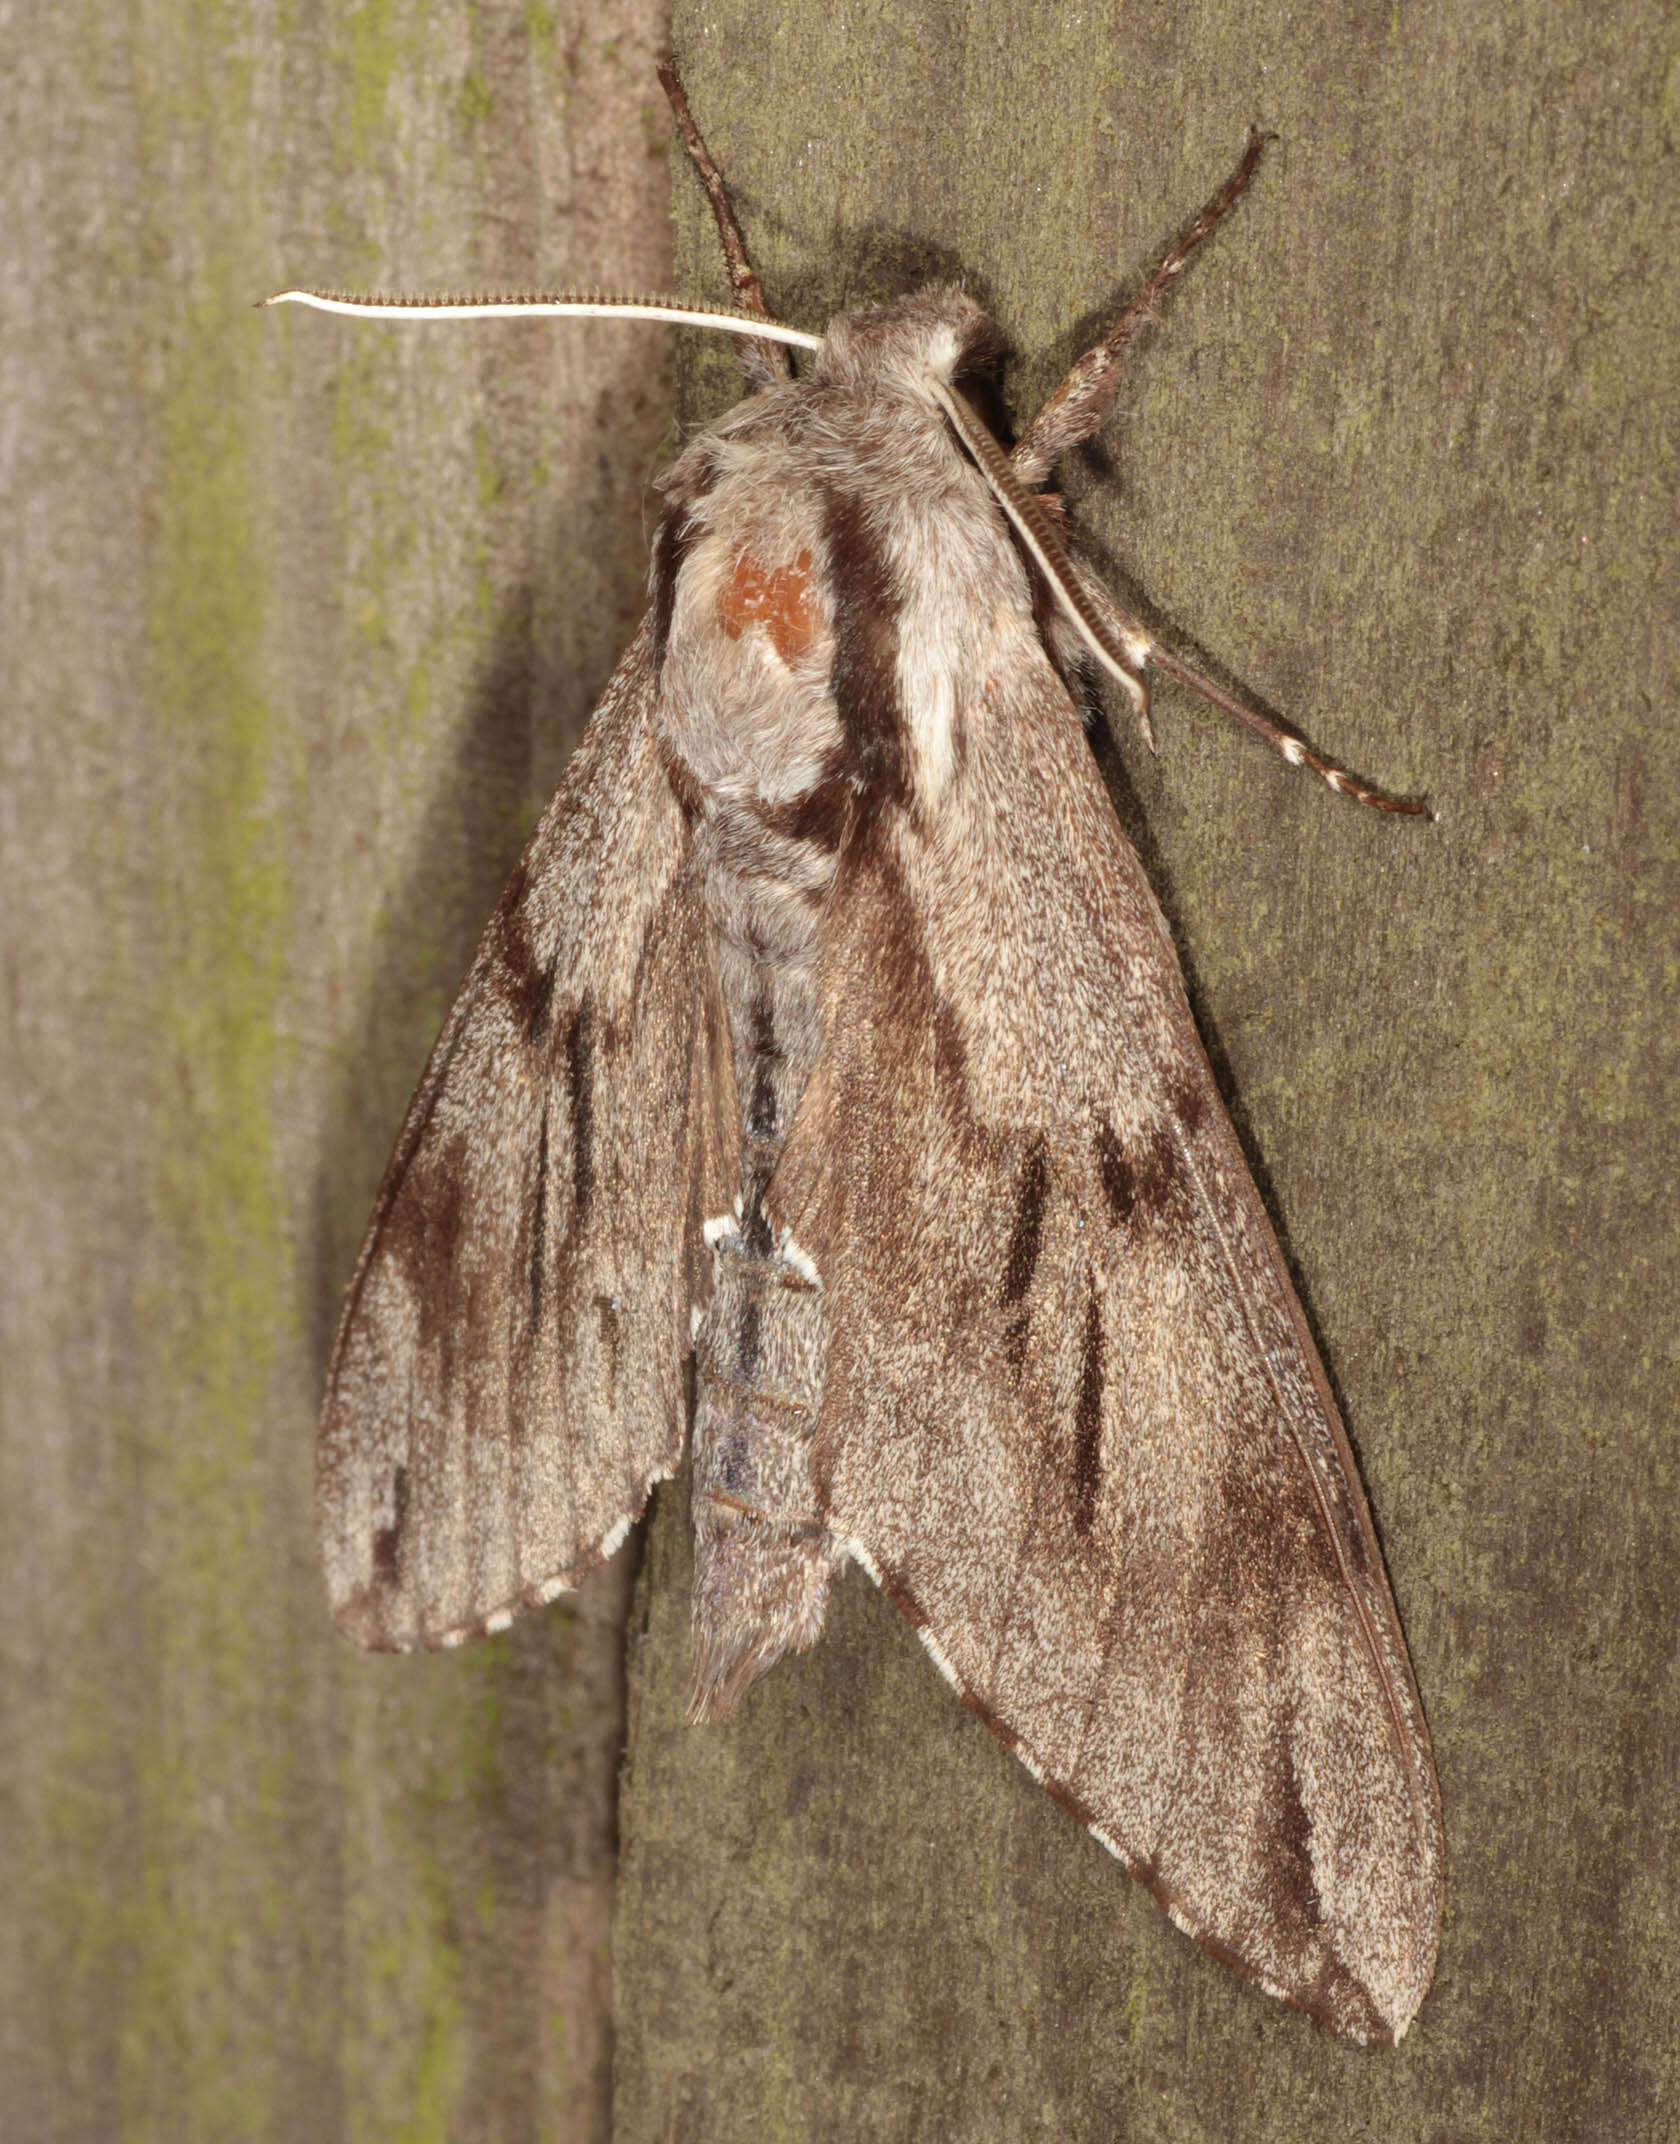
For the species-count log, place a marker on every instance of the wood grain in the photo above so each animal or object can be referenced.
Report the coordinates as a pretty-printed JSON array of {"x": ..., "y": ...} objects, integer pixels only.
[{"x": 297, "y": 625}]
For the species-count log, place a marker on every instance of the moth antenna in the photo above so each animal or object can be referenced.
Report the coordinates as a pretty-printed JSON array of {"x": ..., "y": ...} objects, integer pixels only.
[
  {"x": 1080, "y": 405},
  {"x": 531, "y": 305},
  {"x": 1122, "y": 646},
  {"x": 764, "y": 365}
]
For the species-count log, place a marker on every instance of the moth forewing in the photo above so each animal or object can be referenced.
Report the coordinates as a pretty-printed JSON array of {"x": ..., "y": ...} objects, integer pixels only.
[
  {"x": 1071, "y": 1411},
  {"x": 507, "y": 1381},
  {"x": 829, "y": 1030}
]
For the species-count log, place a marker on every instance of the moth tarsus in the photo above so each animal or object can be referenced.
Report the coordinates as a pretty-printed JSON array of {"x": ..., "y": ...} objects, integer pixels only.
[
  {"x": 828, "y": 1031},
  {"x": 1284, "y": 741},
  {"x": 1141, "y": 310}
]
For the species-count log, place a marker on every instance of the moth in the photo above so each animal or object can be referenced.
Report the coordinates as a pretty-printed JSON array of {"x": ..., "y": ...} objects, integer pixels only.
[{"x": 828, "y": 1034}]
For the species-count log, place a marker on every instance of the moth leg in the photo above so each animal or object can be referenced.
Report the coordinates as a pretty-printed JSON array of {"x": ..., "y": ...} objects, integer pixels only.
[
  {"x": 765, "y": 364},
  {"x": 1123, "y": 647},
  {"x": 1080, "y": 405},
  {"x": 1128, "y": 632}
]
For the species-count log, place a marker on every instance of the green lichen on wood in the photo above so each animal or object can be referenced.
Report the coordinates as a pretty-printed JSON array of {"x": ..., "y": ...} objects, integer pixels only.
[
  {"x": 269, "y": 623},
  {"x": 371, "y": 43},
  {"x": 415, "y": 1929},
  {"x": 197, "y": 2042}
]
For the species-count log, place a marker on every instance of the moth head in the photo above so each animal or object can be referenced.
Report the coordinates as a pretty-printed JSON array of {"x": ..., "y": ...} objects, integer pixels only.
[{"x": 938, "y": 336}]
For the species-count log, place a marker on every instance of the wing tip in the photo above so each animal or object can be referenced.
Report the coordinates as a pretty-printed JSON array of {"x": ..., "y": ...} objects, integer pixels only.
[{"x": 1336, "y": 1997}]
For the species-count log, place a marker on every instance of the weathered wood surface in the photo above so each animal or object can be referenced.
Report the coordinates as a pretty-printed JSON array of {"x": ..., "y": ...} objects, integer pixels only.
[
  {"x": 297, "y": 621},
  {"x": 1403, "y": 458}
]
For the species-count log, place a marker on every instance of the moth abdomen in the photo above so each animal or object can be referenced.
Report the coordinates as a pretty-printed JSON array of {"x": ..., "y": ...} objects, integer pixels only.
[
  {"x": 764, "y": 1116},
  {"x": 762, "y": 1554}
]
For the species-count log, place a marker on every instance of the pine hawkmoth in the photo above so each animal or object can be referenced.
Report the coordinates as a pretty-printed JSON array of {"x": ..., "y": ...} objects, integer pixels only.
[{"x": 828, "y": 1035}]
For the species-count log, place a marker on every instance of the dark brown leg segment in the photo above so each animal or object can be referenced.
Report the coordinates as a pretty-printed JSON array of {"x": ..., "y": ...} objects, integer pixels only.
[
  {"x": 766, "y": 364},
  {"x": 1081, "y": 404}
]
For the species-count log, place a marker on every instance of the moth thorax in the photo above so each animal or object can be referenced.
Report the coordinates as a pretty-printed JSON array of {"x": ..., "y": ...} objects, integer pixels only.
[{"x": 750, "y": 645}]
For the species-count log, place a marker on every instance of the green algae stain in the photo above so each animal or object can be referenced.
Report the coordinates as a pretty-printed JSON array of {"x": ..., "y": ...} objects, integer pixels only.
[
  {"x": 372, "y": 51},
  {"x": 406, "y": 2056},
  {"x": 477, "y": 100},
  {"x": 439, "y": 2059},
  {"x": 544, "y": 34},
  {"x": 404, "y": 2044},
  {"x": 198, "y": 2052},
  {"x": 195, "y": 2045},
  {"x": 423, "y": 1902},
  {"x": 179, "y": 1973}
]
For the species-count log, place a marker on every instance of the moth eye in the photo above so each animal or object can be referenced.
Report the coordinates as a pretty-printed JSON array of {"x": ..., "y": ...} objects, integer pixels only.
[
  {"x": 979, "y": 388},
  {"x": 779, "y": 598},
  {"x": 982, "y": 351}
]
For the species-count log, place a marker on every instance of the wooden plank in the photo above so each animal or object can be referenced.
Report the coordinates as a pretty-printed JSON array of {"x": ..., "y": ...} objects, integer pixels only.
[{"x": 299, "y": 620}]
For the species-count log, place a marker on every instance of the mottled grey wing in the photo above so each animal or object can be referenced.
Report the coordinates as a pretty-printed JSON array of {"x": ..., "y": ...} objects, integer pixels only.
[
  {"x": 507, "y": 1382},
  {"x": 1073, "y": 1419}
]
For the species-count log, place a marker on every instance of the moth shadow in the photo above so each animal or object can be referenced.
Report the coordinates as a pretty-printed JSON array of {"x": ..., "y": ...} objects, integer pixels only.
[{"x": 872, "y": 262}]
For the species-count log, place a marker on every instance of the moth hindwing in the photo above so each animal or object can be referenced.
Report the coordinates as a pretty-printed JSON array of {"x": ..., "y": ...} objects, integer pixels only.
[{"x": 828, "y": 1030}]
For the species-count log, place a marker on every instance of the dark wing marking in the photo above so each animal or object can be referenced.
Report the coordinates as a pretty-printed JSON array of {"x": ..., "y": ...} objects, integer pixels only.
[
  {"x": 1073, "y": 1419},
  {"x": 507, "y": 1382}
]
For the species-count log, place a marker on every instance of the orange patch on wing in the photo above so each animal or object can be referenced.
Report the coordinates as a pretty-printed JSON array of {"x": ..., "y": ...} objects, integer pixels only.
[{"x": 777, "y": 597}]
